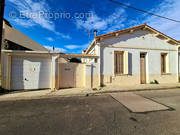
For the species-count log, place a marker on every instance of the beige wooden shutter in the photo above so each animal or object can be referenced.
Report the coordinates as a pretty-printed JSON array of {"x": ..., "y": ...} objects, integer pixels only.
[
  {"x": 167, "y": 63},
  {"x": 125, "y": 62}
]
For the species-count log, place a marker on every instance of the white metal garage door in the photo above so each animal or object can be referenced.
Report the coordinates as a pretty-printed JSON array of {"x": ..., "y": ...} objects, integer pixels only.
[{"x": 30, "y": 73}]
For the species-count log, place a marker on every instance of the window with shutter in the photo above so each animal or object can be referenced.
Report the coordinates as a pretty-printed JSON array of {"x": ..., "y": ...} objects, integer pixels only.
[
  {"x": 118, "y": 62},
  {"x": 164, "y": 63}
]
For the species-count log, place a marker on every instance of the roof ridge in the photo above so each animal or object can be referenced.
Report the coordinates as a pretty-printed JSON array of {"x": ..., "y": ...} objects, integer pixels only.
[{"x": 122, "y": 30}]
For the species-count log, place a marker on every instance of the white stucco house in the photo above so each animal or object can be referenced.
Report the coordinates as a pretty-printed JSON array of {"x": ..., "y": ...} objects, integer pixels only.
[{"x": 136, "y": 55}]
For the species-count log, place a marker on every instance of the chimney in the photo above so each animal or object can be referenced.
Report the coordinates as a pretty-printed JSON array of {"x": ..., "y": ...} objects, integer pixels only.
[
  {"x": 95, "y": 33},
  {"x": 83, "y": 51},
  {"x": 53, "y": 48}
]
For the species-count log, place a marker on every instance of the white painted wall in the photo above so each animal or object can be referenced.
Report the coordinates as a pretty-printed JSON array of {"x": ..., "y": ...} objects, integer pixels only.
[
  {"x": 131, "y": 42},
  {"x": 139, "y": 38},
  {"x": 153, "y": 60},
  {"x": 179, "y": 62},
  {"x": 92, "y": 69},
  {"x": 94, "y": 50}
]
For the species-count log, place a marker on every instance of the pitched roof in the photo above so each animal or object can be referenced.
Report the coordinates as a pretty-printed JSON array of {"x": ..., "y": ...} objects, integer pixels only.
[
  {"x": 7, "y": 22},
  {"x": 66, "y": 55},
  {"x": 107, "y": 34},
  {"x": 15, "y": 36},
  {"x": 133, "y": 28},
  {"x": 129, "y": 29}
]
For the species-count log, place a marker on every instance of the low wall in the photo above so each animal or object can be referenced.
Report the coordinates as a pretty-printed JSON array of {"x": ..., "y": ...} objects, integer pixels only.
[
  {"x": 120, "y": 80},
  {"x": 123, "y": 80},
  {"x": 167, "y": 78}
]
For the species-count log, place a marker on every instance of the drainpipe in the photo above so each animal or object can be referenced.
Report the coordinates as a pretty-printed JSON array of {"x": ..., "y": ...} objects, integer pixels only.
[
  {"x": 99, "y": 54},
  {"x": 178, "y": 62},
  {"x": 54, "y": 73}
]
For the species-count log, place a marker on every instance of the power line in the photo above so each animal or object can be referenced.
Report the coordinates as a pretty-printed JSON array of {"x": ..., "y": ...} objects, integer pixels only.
[{"x": 140, "y": 10}]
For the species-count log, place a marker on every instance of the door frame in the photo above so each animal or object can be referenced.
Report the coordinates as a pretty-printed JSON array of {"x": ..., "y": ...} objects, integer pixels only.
[{"x": 144, "y": 79}]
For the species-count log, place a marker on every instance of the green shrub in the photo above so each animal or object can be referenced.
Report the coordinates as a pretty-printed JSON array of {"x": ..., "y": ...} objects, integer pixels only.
[{"x": 151, "y": 82}]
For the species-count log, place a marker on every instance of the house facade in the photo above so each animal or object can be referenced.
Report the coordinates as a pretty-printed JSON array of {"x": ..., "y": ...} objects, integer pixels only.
[
  {"x": 136, "y": 55},
  {"x": 133, "y": 56}
]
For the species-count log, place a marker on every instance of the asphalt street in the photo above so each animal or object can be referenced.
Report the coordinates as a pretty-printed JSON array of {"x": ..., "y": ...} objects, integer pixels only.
[{"x": 92, "y": 115}]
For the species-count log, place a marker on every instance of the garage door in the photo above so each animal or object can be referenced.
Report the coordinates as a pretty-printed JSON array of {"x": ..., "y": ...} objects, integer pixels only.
[{"x": 30, "y": 73}]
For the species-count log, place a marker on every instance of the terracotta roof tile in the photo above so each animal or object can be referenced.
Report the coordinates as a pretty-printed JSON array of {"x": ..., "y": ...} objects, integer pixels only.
[{"x": 135, "y": 27}]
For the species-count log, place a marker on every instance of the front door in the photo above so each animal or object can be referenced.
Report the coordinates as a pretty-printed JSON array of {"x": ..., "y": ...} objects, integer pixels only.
[{"x": 143, "y": 67}]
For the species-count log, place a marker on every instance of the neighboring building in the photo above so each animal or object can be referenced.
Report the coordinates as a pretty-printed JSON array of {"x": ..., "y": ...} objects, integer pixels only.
[
  {"x": 15, "y": 40},
  {"x": 46, "y": 70},
  {"x": 136, "y": 55}
]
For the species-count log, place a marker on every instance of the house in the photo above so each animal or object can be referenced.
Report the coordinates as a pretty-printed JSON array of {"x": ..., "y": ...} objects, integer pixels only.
[
  {"x": 132, "y": 56},
  {"x": 12, "y": 39},
  {"x": 136, "y": 55}
]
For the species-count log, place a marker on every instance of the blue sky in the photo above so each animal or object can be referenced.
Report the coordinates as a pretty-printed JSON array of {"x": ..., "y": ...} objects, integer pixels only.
[{"x": 65, "y": 23}]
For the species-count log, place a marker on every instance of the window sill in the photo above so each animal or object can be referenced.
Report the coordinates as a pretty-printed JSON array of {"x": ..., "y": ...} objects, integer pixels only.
[
  {"x": 121, "y": 75},
  {"x": 165, "y": 73}
]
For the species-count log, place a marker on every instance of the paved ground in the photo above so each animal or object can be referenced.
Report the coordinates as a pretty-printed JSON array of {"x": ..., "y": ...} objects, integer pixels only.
[
  {"x": 36, "y": 94},
  {"x": 137, "y": 103},
  {"x": 94, "y": 115}
]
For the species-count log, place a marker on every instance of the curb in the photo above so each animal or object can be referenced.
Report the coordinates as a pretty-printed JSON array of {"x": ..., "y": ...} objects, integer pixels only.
[
  {"x": 134, "y": 90},
  {"x": 93, "y": 93}
]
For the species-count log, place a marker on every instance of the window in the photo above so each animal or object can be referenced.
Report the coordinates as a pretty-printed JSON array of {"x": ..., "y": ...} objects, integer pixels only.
[
  {"x": 118, "y": 62},
  {"x": 121, "y": 62},
  {"x": 164, "y": 63}
]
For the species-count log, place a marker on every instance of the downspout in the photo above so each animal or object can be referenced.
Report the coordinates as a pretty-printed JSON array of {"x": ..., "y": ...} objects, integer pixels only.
[
  {"x": 178, "y": 62},
  {"x": 99, "y": 54}
]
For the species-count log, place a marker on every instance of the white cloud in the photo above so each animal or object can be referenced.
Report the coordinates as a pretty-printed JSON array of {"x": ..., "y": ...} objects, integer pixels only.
[
  {"x": 32, "y": 13},
  {"x": 31, "y": 10},
  {"x": 170, "y": 9},
  {"x": 118, "y": 19},
  {"x": 50, "y": 48},
  {"x": 24, "y": 23},
  {"x": 63, "y": 35},
  {"x": 112, "y": 22},
  {"x": 72, "y": 47},
  {"x": 50, "y": 39}
]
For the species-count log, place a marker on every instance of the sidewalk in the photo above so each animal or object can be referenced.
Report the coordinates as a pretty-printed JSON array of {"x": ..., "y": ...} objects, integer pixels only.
[
  {"x": 141, "y": 87},
  {"x": 83, "y": 92}
]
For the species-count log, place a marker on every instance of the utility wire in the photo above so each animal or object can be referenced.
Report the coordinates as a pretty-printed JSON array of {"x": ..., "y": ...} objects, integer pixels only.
[{"x": 140, "y": 10}]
